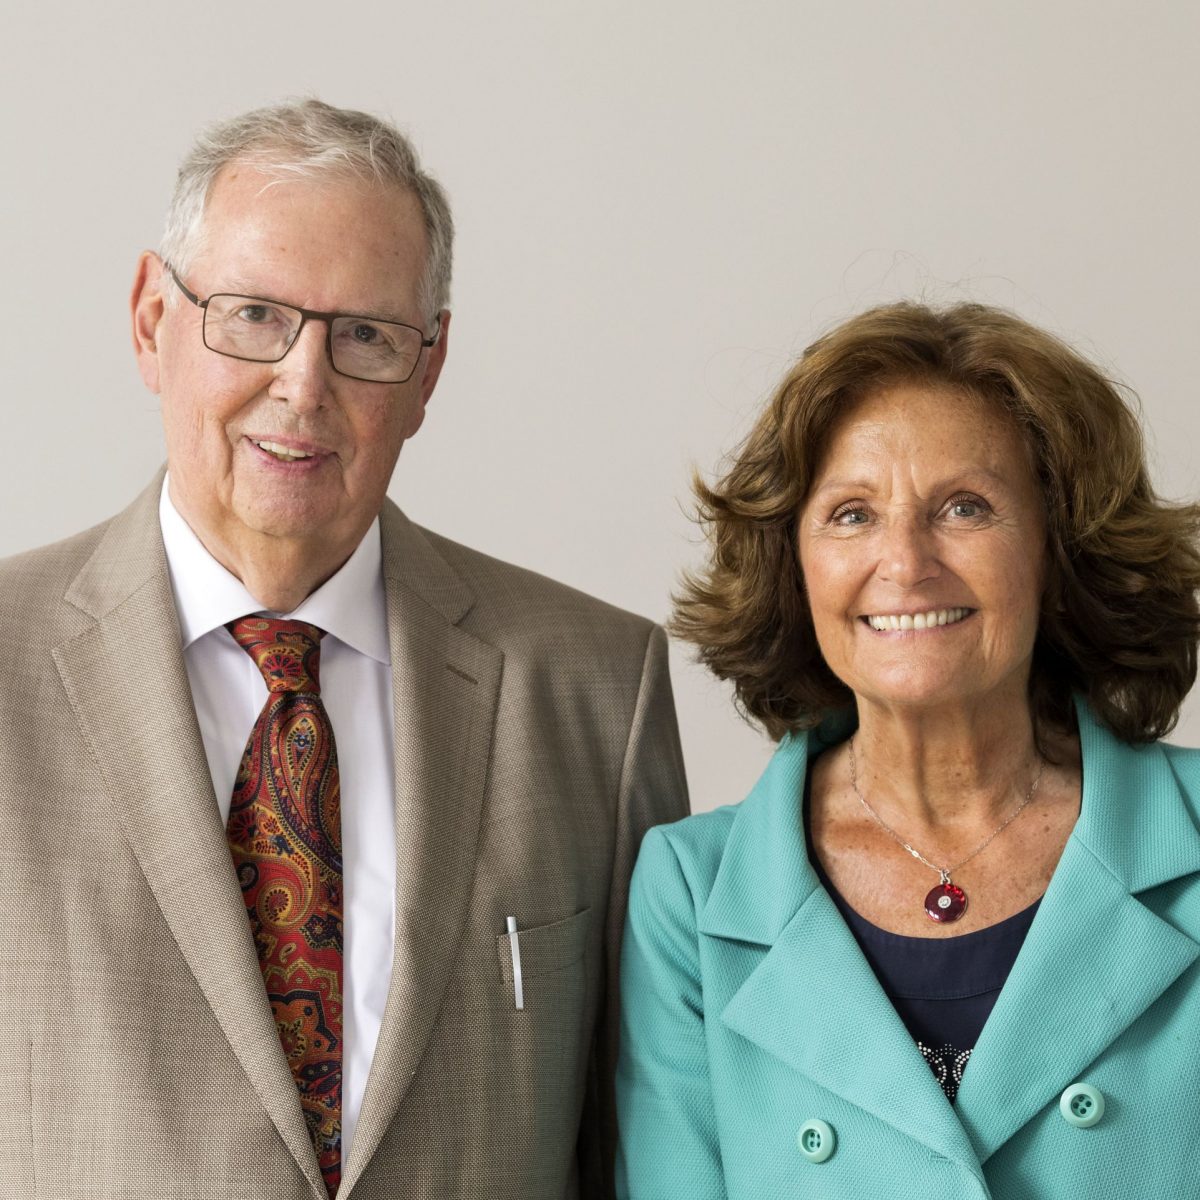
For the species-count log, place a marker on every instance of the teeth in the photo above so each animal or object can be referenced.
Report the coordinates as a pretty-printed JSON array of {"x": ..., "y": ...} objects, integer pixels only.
[
  {"x": 282, "y": 451},
  {"x": 925, "y": 620}
]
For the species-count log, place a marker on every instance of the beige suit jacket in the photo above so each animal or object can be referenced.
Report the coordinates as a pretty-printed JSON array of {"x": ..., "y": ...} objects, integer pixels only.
[{"x": 535, "y": 743}]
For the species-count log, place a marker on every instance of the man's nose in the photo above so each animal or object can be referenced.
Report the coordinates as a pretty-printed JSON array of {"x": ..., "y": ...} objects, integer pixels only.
[
  {"x": 304, "y": 375},
  {"x": 908, "y": 555}
]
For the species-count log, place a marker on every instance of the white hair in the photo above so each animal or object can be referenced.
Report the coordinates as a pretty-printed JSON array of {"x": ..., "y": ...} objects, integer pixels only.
[{"x": 305, "y": 139}]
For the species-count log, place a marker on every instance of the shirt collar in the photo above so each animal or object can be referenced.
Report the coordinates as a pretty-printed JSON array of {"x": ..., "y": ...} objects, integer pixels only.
[{"x": 350, "y": 604}]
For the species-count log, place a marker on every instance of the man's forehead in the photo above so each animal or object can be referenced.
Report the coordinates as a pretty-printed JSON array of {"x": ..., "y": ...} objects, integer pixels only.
[
  {"x": 254, "y": 178},
  {"x": 253, "y": 192},
  {"x": 320, "y": 242}
]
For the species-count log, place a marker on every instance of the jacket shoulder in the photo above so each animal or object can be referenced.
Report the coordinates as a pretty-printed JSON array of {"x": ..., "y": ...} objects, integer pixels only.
[
  {"x": 1184, "y": 762},
  {"x": 1186, "y": 758},
  {"x": 523, "y": 605},
  {"x": 686, "y": 854},
  {"x": 34, "y": 580}
]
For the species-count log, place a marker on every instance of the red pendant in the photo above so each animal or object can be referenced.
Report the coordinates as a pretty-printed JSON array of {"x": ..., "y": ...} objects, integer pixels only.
[{"x": 946, "y": 903}]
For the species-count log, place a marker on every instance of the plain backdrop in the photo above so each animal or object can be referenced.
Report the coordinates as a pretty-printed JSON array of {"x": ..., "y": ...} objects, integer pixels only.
[{"x": 659, "y": 205}]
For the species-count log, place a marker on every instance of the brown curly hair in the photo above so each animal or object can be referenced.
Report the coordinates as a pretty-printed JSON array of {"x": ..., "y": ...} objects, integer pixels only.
[{"x": 1119, "y": 619}]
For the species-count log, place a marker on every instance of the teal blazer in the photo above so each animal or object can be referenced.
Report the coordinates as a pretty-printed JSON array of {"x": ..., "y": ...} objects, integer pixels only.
[{"x": 748, "y": 1010}]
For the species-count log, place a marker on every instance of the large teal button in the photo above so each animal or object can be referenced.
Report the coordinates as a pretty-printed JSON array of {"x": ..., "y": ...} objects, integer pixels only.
[
  {"x": 816, "y": 1141},
  {"x": 1082, "y": 1105}
]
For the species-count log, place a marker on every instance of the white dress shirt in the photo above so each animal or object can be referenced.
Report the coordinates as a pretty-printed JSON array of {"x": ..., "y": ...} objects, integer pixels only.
[{"x": 356, "y": 686}]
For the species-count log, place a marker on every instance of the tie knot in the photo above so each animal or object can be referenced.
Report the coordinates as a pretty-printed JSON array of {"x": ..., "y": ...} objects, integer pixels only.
[{"x": 288, "y": 653}]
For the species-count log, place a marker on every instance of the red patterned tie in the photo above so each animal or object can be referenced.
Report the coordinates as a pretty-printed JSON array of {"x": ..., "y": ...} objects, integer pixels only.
[{"x": 285, "y": 833}]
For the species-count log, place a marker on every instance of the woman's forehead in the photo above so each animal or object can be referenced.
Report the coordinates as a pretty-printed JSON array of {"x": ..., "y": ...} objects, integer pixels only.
[{"x": 936, "y": 429}]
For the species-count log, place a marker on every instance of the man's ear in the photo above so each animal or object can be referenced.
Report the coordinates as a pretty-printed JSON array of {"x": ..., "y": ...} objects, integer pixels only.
[
  {"x": 437, "y": 357},
  {"x": 429, "y": 375},
  {"x": 147, "y": 308}
]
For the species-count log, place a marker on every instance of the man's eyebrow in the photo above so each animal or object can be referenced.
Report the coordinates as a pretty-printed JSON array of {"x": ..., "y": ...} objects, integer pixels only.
[{"x": 240, "y": 287}]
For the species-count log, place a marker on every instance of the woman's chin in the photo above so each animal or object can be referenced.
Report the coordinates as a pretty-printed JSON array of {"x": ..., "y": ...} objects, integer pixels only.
[{"x": 917, "y": 693}]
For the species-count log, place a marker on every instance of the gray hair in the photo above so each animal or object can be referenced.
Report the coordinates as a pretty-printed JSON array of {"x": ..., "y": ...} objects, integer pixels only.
[{"x": 304, "y": 139}]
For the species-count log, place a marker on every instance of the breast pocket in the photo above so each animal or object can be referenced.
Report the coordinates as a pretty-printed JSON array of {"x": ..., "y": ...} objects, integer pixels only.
[
  {"x": 499, "y": 1090},
  {"x": 540, "y": 953},
  {"x": 541, "y": 1050}
]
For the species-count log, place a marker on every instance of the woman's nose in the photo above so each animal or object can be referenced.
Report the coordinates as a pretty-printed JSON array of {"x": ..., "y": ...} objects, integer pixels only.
[{"x": 908, "y": 556}]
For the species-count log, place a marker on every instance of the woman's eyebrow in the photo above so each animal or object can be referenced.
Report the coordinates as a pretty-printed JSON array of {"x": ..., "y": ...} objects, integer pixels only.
[{"x": 947, "y": 481}]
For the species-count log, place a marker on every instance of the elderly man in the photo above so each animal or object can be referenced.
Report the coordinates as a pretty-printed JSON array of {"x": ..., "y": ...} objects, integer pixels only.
[{"x": 317, "y": 825}]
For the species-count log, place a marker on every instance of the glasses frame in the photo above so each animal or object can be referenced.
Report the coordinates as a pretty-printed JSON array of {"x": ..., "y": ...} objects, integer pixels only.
[{"x": 306, "y": 314}]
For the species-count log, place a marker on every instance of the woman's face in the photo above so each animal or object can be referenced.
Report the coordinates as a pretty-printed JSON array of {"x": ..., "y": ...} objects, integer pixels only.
[{"x": 922, "y": 542}]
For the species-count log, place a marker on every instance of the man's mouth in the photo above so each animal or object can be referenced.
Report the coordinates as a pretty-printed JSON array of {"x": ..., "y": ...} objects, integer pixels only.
[
  {"x": 886, "y": 623},
  {"x": 283, "y": 453}
]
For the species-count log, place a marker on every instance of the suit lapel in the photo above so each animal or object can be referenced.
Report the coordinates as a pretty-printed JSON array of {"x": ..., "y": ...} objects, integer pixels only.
[
  {"x": 1096, "y": 957},
  {"x": 128, "y": 689},
  {"x": 813, "y": 1001},
  {"x": 446, "y": 686}
]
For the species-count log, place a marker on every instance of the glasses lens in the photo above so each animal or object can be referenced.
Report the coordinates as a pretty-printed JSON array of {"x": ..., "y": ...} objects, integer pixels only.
[
  {"x": 247, "y": 327},
  {"x": 378, "y": 350}
]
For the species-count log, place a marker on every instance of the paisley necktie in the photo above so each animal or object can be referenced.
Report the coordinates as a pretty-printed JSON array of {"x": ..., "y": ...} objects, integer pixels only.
[{"x": 285, "y": 834}]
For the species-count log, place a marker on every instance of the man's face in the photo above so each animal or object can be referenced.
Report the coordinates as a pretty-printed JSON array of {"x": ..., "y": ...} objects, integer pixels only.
[{"x": 330, "y": 245}]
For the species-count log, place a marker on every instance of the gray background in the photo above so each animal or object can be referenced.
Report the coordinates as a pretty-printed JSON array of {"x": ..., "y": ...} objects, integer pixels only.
[{"x": 659, "y": 204}]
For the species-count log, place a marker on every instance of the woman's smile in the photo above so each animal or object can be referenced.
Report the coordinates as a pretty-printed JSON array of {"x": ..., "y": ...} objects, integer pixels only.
[
  {"x": 908, "y": 622},
  {"x": 922, "y": 547}
]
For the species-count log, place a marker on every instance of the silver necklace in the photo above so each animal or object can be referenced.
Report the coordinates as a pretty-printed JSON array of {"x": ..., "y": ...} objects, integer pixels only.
[{"x": 947, "y": 901}]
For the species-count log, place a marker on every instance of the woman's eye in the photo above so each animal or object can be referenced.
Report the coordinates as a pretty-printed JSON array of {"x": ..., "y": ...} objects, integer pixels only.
[
  {"x": 850, "y": 516},
  {"x": 967, "y": 507}
]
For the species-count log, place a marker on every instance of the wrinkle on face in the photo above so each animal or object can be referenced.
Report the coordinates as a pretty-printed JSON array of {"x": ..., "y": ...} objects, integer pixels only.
[
  {"x": 329, "y": 245},
  {"x": 883, "y": 531}
]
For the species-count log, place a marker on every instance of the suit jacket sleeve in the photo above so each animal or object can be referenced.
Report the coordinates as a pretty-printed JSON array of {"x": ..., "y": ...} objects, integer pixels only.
[
  {"x": 669, "y": 1144},
  {"x": 653, "y": 790}
]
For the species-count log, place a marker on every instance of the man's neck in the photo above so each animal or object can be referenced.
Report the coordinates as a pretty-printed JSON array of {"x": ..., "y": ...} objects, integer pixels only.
[
  {"x": 280, "y": 576},
  {"x": 279, "y": 572}
]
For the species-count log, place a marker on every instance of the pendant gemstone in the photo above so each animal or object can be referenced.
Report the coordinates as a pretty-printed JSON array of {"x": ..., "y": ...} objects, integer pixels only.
[{"x": 945, "y": 903}]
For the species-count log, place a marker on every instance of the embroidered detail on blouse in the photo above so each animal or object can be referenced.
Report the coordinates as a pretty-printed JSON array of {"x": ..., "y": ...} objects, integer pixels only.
[{"x": 948, "y": 1064}]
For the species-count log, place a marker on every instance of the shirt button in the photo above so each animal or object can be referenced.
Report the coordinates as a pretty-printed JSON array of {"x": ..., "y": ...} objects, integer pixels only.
[
  {"x": 816, "y": 1141},
  {"x": 1082, "y": 1105}
]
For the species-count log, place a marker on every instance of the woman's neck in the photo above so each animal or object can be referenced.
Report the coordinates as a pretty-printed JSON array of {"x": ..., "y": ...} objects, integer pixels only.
[{"x": 947, "y": 770}]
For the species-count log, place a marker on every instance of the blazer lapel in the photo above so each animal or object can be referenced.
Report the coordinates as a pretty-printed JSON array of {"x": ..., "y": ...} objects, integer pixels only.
[
  {"x": 446, "y": 685},
  {"x": 813, "y": 1001},
  {"x": 128, "y": 689},
  {"x": 1096, "y": 957}
]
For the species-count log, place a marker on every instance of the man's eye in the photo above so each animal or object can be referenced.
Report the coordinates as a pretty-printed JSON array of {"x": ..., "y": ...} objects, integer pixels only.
[
  {"x": 255, "y": 314},
  {"x": 367, "y": 335}
]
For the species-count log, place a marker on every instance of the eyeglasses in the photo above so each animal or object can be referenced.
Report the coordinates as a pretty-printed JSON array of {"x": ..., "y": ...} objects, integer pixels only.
[{"x": 256, "y": 329}]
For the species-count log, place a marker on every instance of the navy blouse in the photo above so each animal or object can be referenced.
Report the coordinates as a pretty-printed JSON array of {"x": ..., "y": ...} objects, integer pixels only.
[{"x": 943, "y": 988}]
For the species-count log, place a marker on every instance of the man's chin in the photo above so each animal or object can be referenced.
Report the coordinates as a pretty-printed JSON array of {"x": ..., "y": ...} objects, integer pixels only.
[
  {"x": 290, "y": 525},
  {"x": 300, "y": 513}
]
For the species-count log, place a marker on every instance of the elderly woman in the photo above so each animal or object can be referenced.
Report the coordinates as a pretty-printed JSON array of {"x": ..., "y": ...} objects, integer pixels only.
[{"x": 949, "y": 945}]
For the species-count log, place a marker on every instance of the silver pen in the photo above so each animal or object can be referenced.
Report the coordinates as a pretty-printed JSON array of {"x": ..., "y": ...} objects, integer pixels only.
[{"x": 510, "y": 923}]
